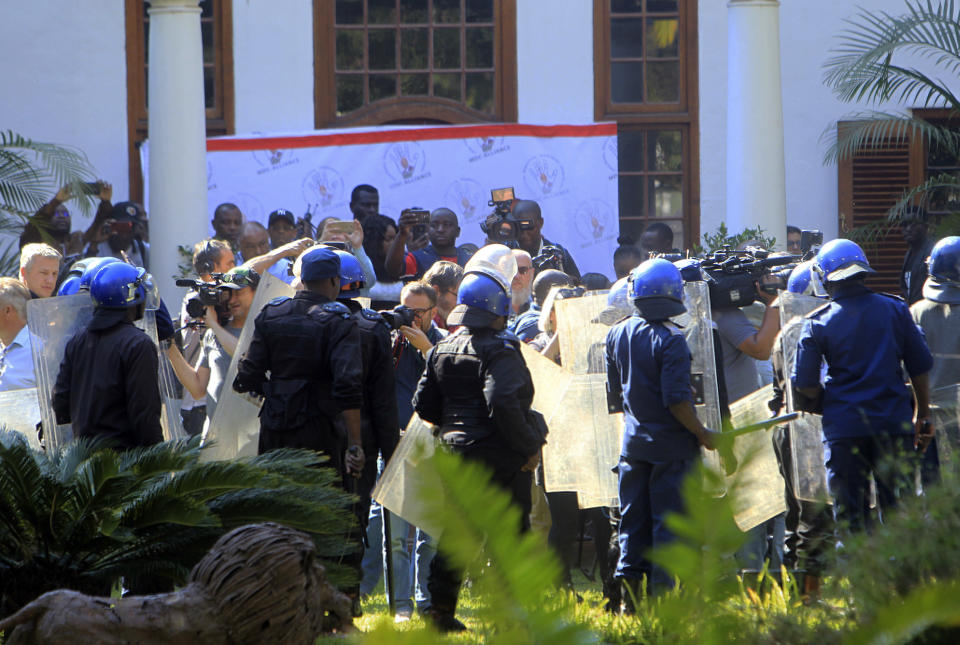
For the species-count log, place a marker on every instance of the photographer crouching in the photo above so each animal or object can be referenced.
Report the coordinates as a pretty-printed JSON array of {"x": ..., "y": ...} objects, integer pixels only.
[{"x": 225, "y": 305}]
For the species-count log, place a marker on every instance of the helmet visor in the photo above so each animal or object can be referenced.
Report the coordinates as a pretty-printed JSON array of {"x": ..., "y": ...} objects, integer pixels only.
[{"x": 151, "y": 297}]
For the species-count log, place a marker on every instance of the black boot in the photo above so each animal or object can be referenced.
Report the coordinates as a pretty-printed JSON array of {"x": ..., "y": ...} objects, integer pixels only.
[{"x": 444, "y": 621}]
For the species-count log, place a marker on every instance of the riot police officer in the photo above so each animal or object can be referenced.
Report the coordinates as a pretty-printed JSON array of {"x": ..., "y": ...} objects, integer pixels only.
[
  {"x": 648, "y": 379},
  {"x": 477, "y": 390},
  {"x": 868, "y": 424},
  {"x": 108, "y": 380}
]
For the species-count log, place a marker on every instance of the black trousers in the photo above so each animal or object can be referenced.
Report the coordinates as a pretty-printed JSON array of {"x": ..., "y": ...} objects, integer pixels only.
[{"x": 445, "y": 578}]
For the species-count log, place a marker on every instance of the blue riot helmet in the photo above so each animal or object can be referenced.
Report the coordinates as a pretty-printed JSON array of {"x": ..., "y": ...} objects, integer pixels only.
[
  {"x": 119, "y": 286},
  {"x": 351, "y": 274},
  {"x": 944, "y": 261},
  {"x": 69, "y": 286},
  {"x": 656, "y": 288},
  {"x": 689, "y": 270},
  {"x": 799, "y": 280},
  {"x": 617, "y": 296},
  {"x": 93, "y": 265},
  {"x": 78, "y": 267},
  {"x": 840, "y": 260},
  {"x": 481, "y": 299}
]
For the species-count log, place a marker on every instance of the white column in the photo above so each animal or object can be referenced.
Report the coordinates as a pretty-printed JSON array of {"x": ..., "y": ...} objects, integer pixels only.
[
  {"x": 177, "y": 134},
  {"x": 756, "y": 191}
]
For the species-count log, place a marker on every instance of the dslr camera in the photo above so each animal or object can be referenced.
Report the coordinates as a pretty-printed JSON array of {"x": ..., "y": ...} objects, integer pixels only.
[
  {"x": 207, "y": 294},
  {"x": 399, "y": 316}
]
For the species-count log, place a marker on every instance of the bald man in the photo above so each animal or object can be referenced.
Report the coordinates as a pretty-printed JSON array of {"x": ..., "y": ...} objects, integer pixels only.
[{"x": 443, "y": 231}]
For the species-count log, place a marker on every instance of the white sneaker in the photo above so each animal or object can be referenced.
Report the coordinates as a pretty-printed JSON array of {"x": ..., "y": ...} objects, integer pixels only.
[{"x": 401, "y": 617}]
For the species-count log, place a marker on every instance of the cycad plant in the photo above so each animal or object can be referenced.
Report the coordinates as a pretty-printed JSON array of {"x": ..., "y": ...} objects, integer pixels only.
[
  {"x": 30, "y": 173},
  {"x": 86, "y": 517},
  {"x": 905, "y": 59}
]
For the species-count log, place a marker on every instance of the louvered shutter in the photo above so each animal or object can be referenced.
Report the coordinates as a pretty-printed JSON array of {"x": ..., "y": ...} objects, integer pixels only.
[{"x": 870, "y": 183}]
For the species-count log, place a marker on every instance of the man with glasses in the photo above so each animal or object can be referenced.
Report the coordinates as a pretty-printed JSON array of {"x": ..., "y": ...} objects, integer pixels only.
[
  {"x": 521, "y": 289},
  {"x": 445, "y": 278},
  {"x": 529, "y": 222}
]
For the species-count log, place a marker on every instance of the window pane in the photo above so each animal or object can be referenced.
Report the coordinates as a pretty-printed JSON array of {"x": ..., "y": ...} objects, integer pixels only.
[
  {"x": 349, "y": 49},
  {"x": 349, "y": 12},
  {"x": 446, "y": 48},
  {"x": 447, "y": 86},
  {"x": 382, "y": 12},
  {"x": 630, "y": 150},
  {"x": 413, "y": 48},
  {"x": 413, "y": 11},
  {"x": 662, "y": 5},
  {"x": 382, "y": 86},
  {"x": 381, "y": 49},
  {"x": 480, "y": 91},
  {"x": 626, "y": 82},
  {"x": 349, "y": 92},
  {"x": 446, "y": 10},
  {"x": 662, "y": 39},
  {"x": 206, "y": 33},
  {"x": 209, "y": 94},
  {"x": 479, "y": 10},
  {"x": 666, "y": 196},
  {"x": 664, "y": 150},
  {"x": 663, "y": 82},
  {"x": 479, "y": 47},
  {"x": 631, "y": 195},
  {"x": 414, "y": 84},
  {"x": 626, "y": 38},
  {"x": 626, "y": 6}
]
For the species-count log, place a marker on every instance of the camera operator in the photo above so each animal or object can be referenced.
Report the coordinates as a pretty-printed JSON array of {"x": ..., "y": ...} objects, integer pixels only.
[
  {"x": 529, "y": 221},
  {"x": 219, "y": 341},
  {"x": 442, "y": 231}
]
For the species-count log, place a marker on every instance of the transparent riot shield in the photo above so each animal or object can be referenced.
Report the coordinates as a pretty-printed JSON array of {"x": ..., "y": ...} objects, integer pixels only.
[
  {"x": 401, "y": 485},
  {"x": 945, "y": 416},
  {"x": 234, "y": 430},
  {"x": 697, "y": 327},
  {"x": 19, "y": 412},
  {"x": 806, "y": 431},
  {"x": 170, "y": 420},
  {"x": 584, "y": 441},
  {"x": 52, "y": 322},
  {"x": 758, "y": 491}
]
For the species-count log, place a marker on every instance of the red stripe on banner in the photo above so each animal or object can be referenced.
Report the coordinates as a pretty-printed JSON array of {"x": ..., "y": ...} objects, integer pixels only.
[{"x": 426, "y": 134}]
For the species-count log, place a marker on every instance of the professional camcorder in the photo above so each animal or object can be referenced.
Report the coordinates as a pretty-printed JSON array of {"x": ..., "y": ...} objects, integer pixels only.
[
  {"x": 399, "y": 316},
  {"x": 499, "y": 225},
  {"x": 731, "y": 275},
  {"x": 207, "y": 294}
]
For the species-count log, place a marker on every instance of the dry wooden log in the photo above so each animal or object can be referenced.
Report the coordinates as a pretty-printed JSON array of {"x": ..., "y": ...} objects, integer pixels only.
[{"x": 259, "y": 583}]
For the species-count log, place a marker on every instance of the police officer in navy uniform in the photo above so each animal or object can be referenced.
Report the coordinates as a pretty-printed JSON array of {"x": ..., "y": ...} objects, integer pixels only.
[
  {"x": 310, "y": 347},
  {"x": 477, "y": 390},
  {"x": 648, "y": 379},
  {"x": 869, "y": 425}
]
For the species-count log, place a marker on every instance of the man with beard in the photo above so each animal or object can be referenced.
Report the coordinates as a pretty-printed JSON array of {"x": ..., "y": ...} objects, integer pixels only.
[
  {"x": 124, "y": 231},
  {"x": 521, "y": 289}
]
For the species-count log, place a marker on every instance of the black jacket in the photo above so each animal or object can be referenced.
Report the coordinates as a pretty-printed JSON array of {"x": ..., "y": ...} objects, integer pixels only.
[
  {"x": 108, "y": 383},
  {"x": 566, "y": 264},
  {"x": 476, "y": 387}
]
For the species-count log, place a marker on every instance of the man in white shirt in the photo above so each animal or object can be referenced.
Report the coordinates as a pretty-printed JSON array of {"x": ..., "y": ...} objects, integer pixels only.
[{"x": 16, "y": 361}]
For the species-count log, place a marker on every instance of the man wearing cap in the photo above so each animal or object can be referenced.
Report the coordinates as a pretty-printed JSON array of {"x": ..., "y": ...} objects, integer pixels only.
[
  {"x": 870, "y": 425},
  {"x": 282, "y": 227},
  {"x": 477, "y": 390},
  {"x": 124, "y": 231}
]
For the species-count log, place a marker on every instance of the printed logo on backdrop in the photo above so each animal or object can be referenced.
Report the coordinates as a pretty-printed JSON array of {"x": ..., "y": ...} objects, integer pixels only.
[
  {"x": 323, "y": 187},
  {"x": 610, "y": 156},
  {"x": 544, "y": 176},
  {"x": 405, "y": 162},
  {"x": 467, "y": 199},
  {"x": 271, "y": 160},
  {"x": 595, "y": 221},
  {"x": 482, "y": 147}
]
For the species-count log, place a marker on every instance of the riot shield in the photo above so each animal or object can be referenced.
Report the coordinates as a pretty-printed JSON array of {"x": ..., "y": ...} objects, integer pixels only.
[
  {"x": 169, "y": 403},
  {"x": 697, "y": 327},
  {"x": 401, "y": 485},
  {"x": 806, "y": 432},
  {"x": 945, "y": 416},
  {"x": 759, "y": 489},
  {"x": 234, "y": 430},
  {"x": 52, "y": 322},
  {"x": 19, "y": 412}
]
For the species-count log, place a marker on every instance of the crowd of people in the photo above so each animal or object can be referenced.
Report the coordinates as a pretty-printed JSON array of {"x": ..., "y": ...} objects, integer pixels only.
[{"x": 394, "y": 317}]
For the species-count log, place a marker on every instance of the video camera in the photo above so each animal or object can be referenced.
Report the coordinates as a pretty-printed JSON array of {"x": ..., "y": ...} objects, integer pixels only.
[
  {"x": 551, "y": 257},
  {"x": 731, "y": 275},
  {"x": 499, "y": 226},
  {"x": 399, "y": 316},
  {"x": 207, "y": 294}
]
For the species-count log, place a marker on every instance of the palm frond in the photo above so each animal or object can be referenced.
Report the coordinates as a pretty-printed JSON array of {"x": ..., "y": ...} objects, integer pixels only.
[{"x": 868, "y": 130}]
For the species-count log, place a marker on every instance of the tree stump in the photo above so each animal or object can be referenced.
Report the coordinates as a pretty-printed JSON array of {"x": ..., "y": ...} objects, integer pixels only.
[{"x": 259, "y": 583}]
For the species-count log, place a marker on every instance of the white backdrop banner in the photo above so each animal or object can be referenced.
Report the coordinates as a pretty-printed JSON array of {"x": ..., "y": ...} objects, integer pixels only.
[{"x": 570, "y": 170}]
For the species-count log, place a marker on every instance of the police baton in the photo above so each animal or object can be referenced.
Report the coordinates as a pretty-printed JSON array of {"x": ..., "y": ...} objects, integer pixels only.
[
  {"x": 388, "y": 560},
  {"x": 725, "y": 440},
  {"x": 357, "y": 505}
]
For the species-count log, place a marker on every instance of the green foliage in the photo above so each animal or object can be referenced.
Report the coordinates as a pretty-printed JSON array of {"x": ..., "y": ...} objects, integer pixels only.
[
  {"x": 82, "y": 518},
  {"x": 185, "y": 262},
  {"x": 722, "y": 237}
]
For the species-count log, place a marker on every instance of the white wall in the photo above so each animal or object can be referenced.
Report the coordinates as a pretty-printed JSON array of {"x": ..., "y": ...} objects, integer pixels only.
[
  {"x": 555, "y": 61},
  {"x": 808, "y": 30},
  {"x": 64, "y": 79},
  {"x": 273, "y": 65}
]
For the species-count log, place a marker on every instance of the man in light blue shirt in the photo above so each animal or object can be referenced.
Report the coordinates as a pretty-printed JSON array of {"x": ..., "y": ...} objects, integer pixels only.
[{"x": 16, "y": 361}]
